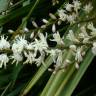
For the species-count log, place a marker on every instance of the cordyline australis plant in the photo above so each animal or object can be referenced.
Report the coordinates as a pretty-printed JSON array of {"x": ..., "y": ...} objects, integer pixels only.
[{"x": 55, "y": 38}]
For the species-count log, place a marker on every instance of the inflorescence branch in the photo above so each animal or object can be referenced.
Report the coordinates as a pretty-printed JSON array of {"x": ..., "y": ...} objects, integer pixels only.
[{"x": 36, "y": 48}]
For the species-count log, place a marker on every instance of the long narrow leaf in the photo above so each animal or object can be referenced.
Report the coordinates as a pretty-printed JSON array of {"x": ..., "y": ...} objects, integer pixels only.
[
  {"x": 67, "y": 91},
  {"x": 36, "y": 77}
]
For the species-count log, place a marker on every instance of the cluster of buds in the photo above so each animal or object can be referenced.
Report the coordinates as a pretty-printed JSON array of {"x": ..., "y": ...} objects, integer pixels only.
[
  {"x": 70, "y": 12},
  {"x": 54, "y": 2}
]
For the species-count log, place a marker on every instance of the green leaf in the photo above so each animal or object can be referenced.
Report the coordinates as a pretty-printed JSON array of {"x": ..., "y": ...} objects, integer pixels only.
[
  {"x": 6, "y": 89},
  {"x": 4, "y": 5},
  {"x": 12, "y": 15},
  {"x": 37, "y": 76},
  {"x": 15, "y": 92},
  {"x": 89, "y": 90},
  {"x": 15, "y": 72},
  {"x": 23, "y": 11},
  {"x": 74, "y": 80},
  {"x": 55, "y": 80},
  {"x": 29, "y": 14}
]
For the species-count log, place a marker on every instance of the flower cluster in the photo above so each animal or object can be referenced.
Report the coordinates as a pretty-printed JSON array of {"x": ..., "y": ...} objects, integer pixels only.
[
  {"x": 70, "y": 13},
  {"x": 27, "y": 51},
  {"x": 35, "y": 50}
]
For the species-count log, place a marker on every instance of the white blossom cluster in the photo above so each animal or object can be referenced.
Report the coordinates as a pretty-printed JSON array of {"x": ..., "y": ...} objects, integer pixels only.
[
  {"x": 35, "y": 50},
  {"x": 86, "y": 38},
  {"x": 27, "y": 52},
  {"x": 70, "y": 13}
]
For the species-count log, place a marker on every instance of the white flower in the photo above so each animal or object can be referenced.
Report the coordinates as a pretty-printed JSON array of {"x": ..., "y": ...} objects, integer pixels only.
[
  {"x": 52, "y": 16},
  {"x": 53, "y": 28},
  {"x": 53, "y": 53},
  {"x": 43, "y": 38},
  {"x": 40, "y": 45},
  {"x": 78, "y": 55},
  {"x": 83, "y": 33},
  {"x": 19, "y": 44},
  {"x": 54, "y": 2},
  {"x": 94, "y": 48},
  {"x": 91, "y": 26},
  {"x": 57, "y": 38},
  {"x": 30, "y": 57},
  {"x": 10, "y": 31},
  {"x": 4, "y": 44},
  {"x": 86, "y": 40},
  {"x": 26, "y": 29},
  {"x": 83, "y": 29},
  {"x": 59, "y": 22},
  {"x": 93, "y": 33},
  {"x": 72, "y": 47},
  {"x": 17, "y": 48},
  {"x": 34, "y": 24},
  {"x": 88, "y": 8},
  {"x": 45, "y": 21},
  {"x": 32, "y": 35},
  {"x": 77, "y": 5},
  {"x": 62, "y": 15},
  {"x": 3, "y": 60},
  {"x": 59, "y": 59},
  {"x": 40, "y": 59},
  {"x": 22, "y": 41},
  {"x": 66, "y": 63},
  {"x": 11, "y": 3},
  {"x": 43, "y": 26},
  {"x": 71, "y": 18},
  {"x": 29, "y": 47},
  {"x": 68, "y": 7},
  {"x": 77, "y": 65},
  {"x": 72, "y": 37},
  {"x": 16, "y": 58}
]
